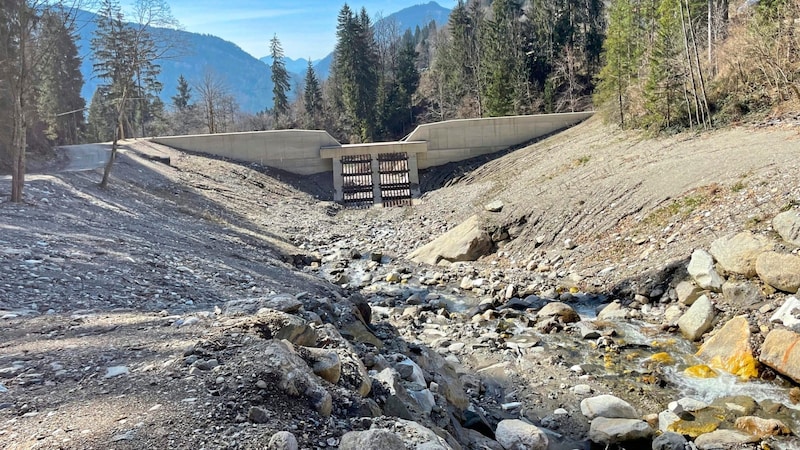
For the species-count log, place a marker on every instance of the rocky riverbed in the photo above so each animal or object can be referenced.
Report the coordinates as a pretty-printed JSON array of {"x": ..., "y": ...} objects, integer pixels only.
[{"x": 204, "y": 303}]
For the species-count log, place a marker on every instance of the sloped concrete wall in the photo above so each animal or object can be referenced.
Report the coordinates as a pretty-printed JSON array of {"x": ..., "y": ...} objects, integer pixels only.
[
  {"x": 295, "y": 151},
  {"x": 457, "y": 140},
  {"x": 301, "y": 151}
]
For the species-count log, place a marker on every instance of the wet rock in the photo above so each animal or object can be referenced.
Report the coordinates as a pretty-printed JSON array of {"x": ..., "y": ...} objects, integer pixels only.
[
  {"x": 781, "y": 352},
  {"x": 788, "y": 314},
  {"x": 515, "y": 434},
  {"x": 781, "y": 271},
  {"x": 294, "y": 376},
  {"x": 737, "y": 253},
  {"x": 698, "y": 319},
  {"x": 688, "y": 292},
  {"x": 669, "y": 441},
  {"x": 701, "y": 269},
  {"x": 723, "y": 439},
  {"x": 686, "y": 404},
  {"x": 375, "y": 439},
  {"x": 787, "y": 225},
  {"x": 607, "y": 406},
  {"x": 587, "y": 329},
  {"x": 666, "y": 419},
  {"x": 611, "y": 431},
  {"x": 283, "y": 440},
  {"x": 563, "y": 312},
  {"x": 762, "y": 427},
  {"x": 743, "y": 294},
  {"x": 614, "y": 311},
  {"x": 466, "y": 242},
  {"x": 729, "y": 349}
]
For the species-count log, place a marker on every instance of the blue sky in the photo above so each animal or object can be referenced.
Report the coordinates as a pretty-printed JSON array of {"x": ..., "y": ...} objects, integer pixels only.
[{"x": 306, "y": 28}]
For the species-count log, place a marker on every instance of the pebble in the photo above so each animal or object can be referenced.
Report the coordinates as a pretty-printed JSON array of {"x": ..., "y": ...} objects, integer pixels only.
[{"x": 115, "y": 371}]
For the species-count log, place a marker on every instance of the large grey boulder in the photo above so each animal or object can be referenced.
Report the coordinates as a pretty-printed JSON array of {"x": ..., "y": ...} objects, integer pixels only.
[
  {"x": 283, "y": 440},
  {"x": 743, "y": 294},
  {"x": 607, "y": 406},
  {"x": 782, "y": 352},
  {"x": 730, "y": 350},
  {"x": 781, "y": 271},
  {"x": 294, "y": 377},
  {"x": 701, "y": 269},
  {"x": 669, "y": 441},
  {"x": 466, "y": 242},
  {"x": 737, "y": 253},
  {"x": 515, "y": 434},
  {"x": 613, "y": 431},
  {"x": 375, "y": 439},
  {"x": 723, "y": 439},
  {"x": 787, "y": 224},
  {"x": 688, "y": 292},
  {"x": 325, "y": 363},
  {"x": 697, "y": 319},
  {"x": 562, "y": 311}
]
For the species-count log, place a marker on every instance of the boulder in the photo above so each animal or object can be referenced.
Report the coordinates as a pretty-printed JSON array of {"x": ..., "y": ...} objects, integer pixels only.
[
  {"x": 466, "y": 242},
  {"x": 743, "y": 294},
  {"x": 607, "y": 406},
  {"x": 686, "y": 404},
  {"x": 723, "y": 439},
  {"x": 375, "y": 439},
  {"x": 283, "y": 440},
  {"x": 294, "y": 377},
  {"x": 688, "y": 292},
  {"x": 701, "y": 269},
  {"x": 762, "y": 427},
  {"x": 787, "y": 224},
  {"x": 612, "y": 431},
  {"x": 697, "y": 319},
  {"x": 729, "y": 349},
  {"x": 273, "y": 324},
  {"x": 782, "y": 352},
  {"x": 495, "y": 206},
  {"x": 325, "y": 363},
  {"x": 781, "y": 271},
  {"x": 788, "y": 314},
  {"x": 669, "y": 441},
  {"x": 354, "y": 374},
  {"x": 613, "y": 311},
  {"x": 515, "y": 434},
  {"x": 562, "y": 311},
  {"x": 737, "y": 253}
]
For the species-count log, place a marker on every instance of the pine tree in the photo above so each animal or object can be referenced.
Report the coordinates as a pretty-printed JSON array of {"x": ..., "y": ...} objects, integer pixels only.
[
  {"x": 59, "y": 80},
  {"x": 183, "y": 96},
  {"x": 355, "y": 71},
  {"x": 623, "y": 53},
  {"x": 502, "y": 65},
  {"x": 312, "y": 97},
  {"x": 280, "y": 80}
]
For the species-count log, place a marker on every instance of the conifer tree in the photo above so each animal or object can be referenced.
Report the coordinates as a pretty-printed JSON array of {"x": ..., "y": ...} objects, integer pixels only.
[
  {"x": 280, "y": 80},
  {"x": 183, "y": 95},
  {"x": 312, "y": 97}
]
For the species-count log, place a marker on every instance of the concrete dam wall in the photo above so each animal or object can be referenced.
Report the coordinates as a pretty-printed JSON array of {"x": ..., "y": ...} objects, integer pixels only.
[{"x": 301, "y": 151}]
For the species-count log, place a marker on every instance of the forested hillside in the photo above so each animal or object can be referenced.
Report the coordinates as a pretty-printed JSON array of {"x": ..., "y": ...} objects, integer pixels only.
[{"x": 661, "y": 65}]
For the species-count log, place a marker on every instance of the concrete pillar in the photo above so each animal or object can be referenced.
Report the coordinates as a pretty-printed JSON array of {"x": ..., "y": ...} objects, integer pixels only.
[
  {"x": 413, "y": 175},
  {"x": 338, "y": 181},
  {"x": 376, "y": 181}
]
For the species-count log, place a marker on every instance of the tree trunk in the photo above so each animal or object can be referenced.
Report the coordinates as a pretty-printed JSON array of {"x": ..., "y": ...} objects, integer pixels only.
[
  {"x": 18, "y": 144},
  {"x": 113, "y": 156}
]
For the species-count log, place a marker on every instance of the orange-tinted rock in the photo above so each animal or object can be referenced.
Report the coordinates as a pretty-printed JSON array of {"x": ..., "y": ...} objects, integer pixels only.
[
  {"x": 729, "y": 349},
  {"x": 782, "y": 352},
  {"x": 762, "y": 427}
]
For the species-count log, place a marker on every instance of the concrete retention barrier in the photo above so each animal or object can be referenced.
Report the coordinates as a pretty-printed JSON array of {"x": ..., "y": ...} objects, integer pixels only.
[{"x": 307, "y": 152}]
